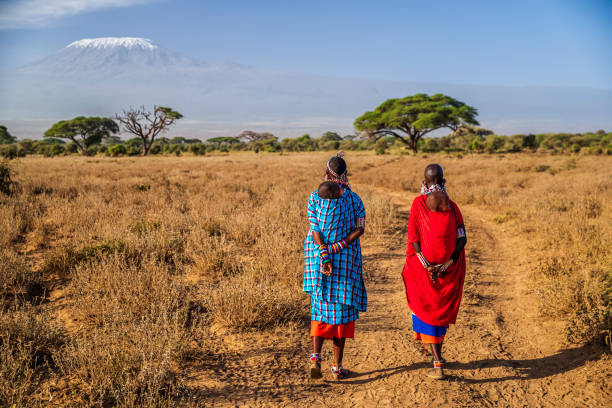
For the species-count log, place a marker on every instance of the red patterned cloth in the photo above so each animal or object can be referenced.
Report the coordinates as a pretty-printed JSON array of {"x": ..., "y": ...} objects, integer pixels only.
[{"x": 436, "y": 303}]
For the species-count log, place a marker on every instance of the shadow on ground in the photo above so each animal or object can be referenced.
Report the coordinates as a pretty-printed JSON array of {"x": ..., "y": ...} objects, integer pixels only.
[{"x": 561, "y": 362}]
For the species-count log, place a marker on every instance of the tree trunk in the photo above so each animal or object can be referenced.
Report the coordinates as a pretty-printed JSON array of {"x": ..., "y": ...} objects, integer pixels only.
[
  {"x": 413, "y": 144},
  {"x": 145, "y": 150},
  {"x": 78, "y": 144}
]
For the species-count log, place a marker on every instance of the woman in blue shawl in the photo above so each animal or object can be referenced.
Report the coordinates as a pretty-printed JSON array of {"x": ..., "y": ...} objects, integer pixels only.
[{"x": 333, "y": 268}]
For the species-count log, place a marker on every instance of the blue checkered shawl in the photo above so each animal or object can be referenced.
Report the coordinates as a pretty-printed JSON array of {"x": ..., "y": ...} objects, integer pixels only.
[{"x": 334, "y": 220}]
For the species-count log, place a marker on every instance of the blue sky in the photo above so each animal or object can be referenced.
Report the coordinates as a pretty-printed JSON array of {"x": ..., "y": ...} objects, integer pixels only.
[{"x": 548, "y": 43}]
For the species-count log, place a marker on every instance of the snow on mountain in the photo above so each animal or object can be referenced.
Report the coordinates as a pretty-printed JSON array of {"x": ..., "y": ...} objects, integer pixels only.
[{"x": 110, "y": 42}]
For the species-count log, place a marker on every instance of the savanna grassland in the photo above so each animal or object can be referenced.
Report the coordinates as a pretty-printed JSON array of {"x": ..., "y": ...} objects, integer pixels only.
[{"x": 177, "y": 281}]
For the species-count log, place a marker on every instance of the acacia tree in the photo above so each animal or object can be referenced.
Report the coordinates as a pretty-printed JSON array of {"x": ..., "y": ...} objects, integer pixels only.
[
  {"x": 251, "y": 136},
  {"x": 147, "y": 125},
  {"x": 83, "y": 131},
  {"x": 412, "y": 117}
]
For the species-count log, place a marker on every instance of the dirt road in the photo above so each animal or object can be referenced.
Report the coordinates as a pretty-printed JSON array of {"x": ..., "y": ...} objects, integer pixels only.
[{"x": 499, "y": 353}]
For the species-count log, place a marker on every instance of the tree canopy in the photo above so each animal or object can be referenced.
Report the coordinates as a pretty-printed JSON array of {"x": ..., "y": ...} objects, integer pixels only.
[
  {"x": 147, "y": 125},
  {"x": 251, "y": 136},
  {"x": 5, "y": 136},
  {"x": 83, "y": 131},
  {"x": 330, "y": 136},
  {"x": 412, "y": 117}
]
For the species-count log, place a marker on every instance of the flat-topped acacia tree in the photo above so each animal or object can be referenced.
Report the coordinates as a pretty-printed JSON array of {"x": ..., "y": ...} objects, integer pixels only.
[
  {"x": 147, "y": 125},
  {"x": 83, "y": 131},
  {"x": 412, "y": 117}
]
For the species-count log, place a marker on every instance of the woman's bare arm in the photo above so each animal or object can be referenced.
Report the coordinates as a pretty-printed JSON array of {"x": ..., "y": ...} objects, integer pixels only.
[
  {"x": 354, "y": 235},
  {"x": 317, "y": 238}
]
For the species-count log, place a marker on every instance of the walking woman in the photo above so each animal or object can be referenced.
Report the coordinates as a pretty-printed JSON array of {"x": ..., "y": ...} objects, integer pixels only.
[
  {"x": 332, "y": 271},
  {"x": 435, "y": 265}
]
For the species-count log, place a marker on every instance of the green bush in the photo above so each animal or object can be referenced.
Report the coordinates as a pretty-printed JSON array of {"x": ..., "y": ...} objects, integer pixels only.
[
  {"x": 430, "y": 145},
  {"x": 117, "y": 150},
  {"x": 71, "y": 148},
  {"x": 8, "y": 151},
  {"x": 476, "y": 145},
  {"x": 494, "y": 143},
  {"x": 54, "y": 150},
  {"x": 133, "y": 150},
  {"x": 197, "y": 149}
]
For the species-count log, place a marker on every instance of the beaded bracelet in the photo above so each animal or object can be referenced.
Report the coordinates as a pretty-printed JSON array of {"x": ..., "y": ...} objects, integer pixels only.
[
  {"x": 337, "y": 246},
  {"x": 423, "y": 260},
  {"x": 324, "y": 254},
  {"x": 460, "y": 232}
]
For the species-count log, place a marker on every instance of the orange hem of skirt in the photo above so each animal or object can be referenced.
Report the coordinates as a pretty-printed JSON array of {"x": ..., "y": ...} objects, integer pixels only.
[
  {"x": 328, "y": 331},
  {"x": 427, "y": 339}
]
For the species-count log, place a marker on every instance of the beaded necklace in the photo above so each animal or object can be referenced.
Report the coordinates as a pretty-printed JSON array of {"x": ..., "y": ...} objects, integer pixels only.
[{"x": 428, "y": 190}]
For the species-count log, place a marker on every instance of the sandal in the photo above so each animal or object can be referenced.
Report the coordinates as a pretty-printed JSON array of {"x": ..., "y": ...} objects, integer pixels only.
[
  {"x": 315, "y": 366},
  {"x": 338, "y": 372},
  {"x": 437, "y": 371}
]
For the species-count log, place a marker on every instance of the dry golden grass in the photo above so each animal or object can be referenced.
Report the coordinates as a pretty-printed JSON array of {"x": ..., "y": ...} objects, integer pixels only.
[{"x": 145, "y": 252}]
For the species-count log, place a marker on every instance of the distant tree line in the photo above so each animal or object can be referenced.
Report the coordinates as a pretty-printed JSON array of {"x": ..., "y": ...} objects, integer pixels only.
[
  {"x": 464, "y": 140},
  {"x": 396, "y": 125}
]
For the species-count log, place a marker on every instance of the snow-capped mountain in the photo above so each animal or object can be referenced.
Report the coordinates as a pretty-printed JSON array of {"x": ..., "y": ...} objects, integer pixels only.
[
  {"x": 110, "y": 56},
  {"x": 102, "y": 76}
]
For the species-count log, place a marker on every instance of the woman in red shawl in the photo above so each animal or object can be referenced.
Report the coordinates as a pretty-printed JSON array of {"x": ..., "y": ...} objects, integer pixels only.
[{"x": 435, "y": 264}]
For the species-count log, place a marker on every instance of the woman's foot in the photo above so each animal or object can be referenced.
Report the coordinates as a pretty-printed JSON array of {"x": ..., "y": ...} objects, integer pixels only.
[
  {"x": 437, "y": 371},
  {"x": 315, "y": 366},
  {"x": 338, "y": 372}
]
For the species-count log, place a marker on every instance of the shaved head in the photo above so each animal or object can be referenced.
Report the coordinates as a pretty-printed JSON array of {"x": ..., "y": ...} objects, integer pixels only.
[{"x": 434, "y": 174}]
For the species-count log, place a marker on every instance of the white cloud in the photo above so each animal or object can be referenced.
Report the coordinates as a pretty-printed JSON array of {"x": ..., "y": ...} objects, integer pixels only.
[{"x": 27, "y": 13}]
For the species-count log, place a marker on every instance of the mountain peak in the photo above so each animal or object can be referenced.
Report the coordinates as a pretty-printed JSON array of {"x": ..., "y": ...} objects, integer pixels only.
[{"x": 112, "y": 42}]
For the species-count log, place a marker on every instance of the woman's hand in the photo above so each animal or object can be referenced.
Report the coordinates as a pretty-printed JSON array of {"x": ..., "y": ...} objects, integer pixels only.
[
  {"x": 437, "y": 271},
  {"x": 433, "y": 272},
  {"x": 327, "y": 269}
]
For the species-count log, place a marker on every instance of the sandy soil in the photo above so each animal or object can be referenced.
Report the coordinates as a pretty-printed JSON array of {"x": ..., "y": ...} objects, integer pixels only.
[{"x": 500, "y": 352}]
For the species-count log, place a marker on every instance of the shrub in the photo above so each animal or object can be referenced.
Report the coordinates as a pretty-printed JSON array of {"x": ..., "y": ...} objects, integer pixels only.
[
  {"x": 430, "y": 145},
  {"x": 90, "y": 151},
  {"x": 116, "y": 150},
  {"x": 380, "y": 147},
  {"x": 28, "y": 340},
  {"x": 133, "y": 150},
  {"x": 71, "y": 148},
  {"x": 8, "y": 151},
  {"x": 198, "y": 149},
  {"x": 64, "y": 259},
  {"x": 54, "y": 150},
  {"x": 250, "y": 300},
  {"x": 16, "y": 279},
  {"x": 144, "y": 227},
  {"x": 7, "y": 185},
  {"x": 494, "y": 143}
]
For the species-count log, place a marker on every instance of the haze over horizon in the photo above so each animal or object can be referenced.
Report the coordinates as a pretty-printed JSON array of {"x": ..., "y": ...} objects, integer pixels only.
[{"x": 294, "y": 69}]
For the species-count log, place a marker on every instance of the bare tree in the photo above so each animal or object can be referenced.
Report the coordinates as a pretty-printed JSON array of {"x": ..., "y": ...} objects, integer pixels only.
[
  {"x": 251, "y": 136},
  {"x": 147, "y": 125}
]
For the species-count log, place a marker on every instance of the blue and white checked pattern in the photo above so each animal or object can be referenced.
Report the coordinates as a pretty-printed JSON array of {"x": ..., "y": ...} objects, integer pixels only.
[
  {"x": 332, "y": 313},
  {"x": 334, "y": 220}
]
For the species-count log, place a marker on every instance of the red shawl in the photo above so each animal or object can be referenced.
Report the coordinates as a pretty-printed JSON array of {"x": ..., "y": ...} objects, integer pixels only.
[{"x": 434, "y": 303}]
